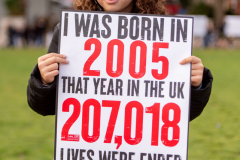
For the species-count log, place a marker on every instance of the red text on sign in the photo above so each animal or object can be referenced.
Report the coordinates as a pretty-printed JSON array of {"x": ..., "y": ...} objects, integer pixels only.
[
  {"x": 132, "y": 59},
  {"x": 114, "y": 105}
]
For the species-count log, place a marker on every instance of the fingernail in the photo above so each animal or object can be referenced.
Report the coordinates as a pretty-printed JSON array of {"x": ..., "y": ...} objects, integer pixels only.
[{"x": 181, "y": 62}]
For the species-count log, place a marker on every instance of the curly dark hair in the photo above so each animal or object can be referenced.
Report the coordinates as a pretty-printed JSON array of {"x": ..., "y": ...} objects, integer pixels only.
[{"x": 139, "y": 6}]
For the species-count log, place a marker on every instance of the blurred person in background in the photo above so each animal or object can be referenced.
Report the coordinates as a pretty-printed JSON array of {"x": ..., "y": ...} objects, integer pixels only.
[
  {"x": 40, "y": 28},
  {"x": 210, "y": 36},
  {"x": 11, "y": 36},
  {"x": 16, "y": 36},
  {"x": 29, "y": 35}
]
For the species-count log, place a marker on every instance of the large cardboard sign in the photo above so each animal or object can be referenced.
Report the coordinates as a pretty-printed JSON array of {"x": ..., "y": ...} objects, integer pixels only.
[{"x": 123, "y": 95}]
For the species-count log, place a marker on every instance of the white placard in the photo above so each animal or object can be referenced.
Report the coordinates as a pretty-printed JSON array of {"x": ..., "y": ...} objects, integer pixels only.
[
  {"x": 200, "y": 25},
  {"x": 232, "y": 24},
  {"x": 123, "y": 95}
]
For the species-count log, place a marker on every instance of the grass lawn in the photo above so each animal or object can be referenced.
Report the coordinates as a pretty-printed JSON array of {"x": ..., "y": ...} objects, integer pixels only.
[
  {"x": 25, "y": 135},
  {"x": 215, "y": 134}
]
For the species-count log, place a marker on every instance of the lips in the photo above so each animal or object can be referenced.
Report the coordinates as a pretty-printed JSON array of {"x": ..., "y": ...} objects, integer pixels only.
[{"x": 111, "y": 1}]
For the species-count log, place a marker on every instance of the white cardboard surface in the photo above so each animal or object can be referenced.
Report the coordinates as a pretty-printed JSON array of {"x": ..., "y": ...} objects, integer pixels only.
[{"x": 73, "y": 47}]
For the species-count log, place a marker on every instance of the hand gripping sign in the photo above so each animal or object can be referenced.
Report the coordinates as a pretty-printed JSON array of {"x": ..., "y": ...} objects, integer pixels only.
[{"x": 123, "y": 95}]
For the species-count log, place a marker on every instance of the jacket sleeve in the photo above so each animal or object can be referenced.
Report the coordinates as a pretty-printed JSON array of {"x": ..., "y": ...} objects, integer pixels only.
[
  {"x": 41, "y": 98},
  {"x": 199, "y": 98}
]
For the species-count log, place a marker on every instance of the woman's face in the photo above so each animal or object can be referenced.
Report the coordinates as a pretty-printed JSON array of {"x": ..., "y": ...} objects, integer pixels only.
[{"x": 116, "y": 5}]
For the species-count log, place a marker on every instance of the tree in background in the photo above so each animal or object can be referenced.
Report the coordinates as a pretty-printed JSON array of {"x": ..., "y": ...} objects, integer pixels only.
[
  {"x": 218, "y": 13},
  {"x": 185, "y": 3},
  {"x": 15, "y": 7},
  {"x": 184, "y": 6},
  {"x": 201, "y": 8}
]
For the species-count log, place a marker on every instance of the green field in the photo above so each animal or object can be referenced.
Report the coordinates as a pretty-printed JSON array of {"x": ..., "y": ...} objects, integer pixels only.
[{"x": 25, "y": 135}]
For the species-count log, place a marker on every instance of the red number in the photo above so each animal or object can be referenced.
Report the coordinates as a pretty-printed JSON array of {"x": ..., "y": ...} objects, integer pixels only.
[
  {"x": 76, "y": 112},
  {"x": 156, "y": 59},
  {"x": 112, "y": 120},
  {"x": 96, "y": 120},
  {"x": 155, "y": 110},
  {"x": 168, "y": 124},
  {"x": 128, "y": 123},
  {"x": 132, "y": 61},
  {"x": 92, "y": 58},
  {"x": 109, "y": 68}
]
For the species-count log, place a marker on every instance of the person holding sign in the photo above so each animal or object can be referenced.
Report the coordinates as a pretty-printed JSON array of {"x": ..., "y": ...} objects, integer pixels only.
[
  {"x": 41, "y": 90},
  {"x": 125, "y": 84}
]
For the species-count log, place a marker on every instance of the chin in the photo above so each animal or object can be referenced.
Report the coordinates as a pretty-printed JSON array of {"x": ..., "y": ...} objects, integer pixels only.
[{"x": 111, "y": 10}]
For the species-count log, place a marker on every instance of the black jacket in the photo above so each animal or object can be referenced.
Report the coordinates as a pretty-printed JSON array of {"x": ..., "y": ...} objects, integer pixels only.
[{"x": 42, "y": 98}]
